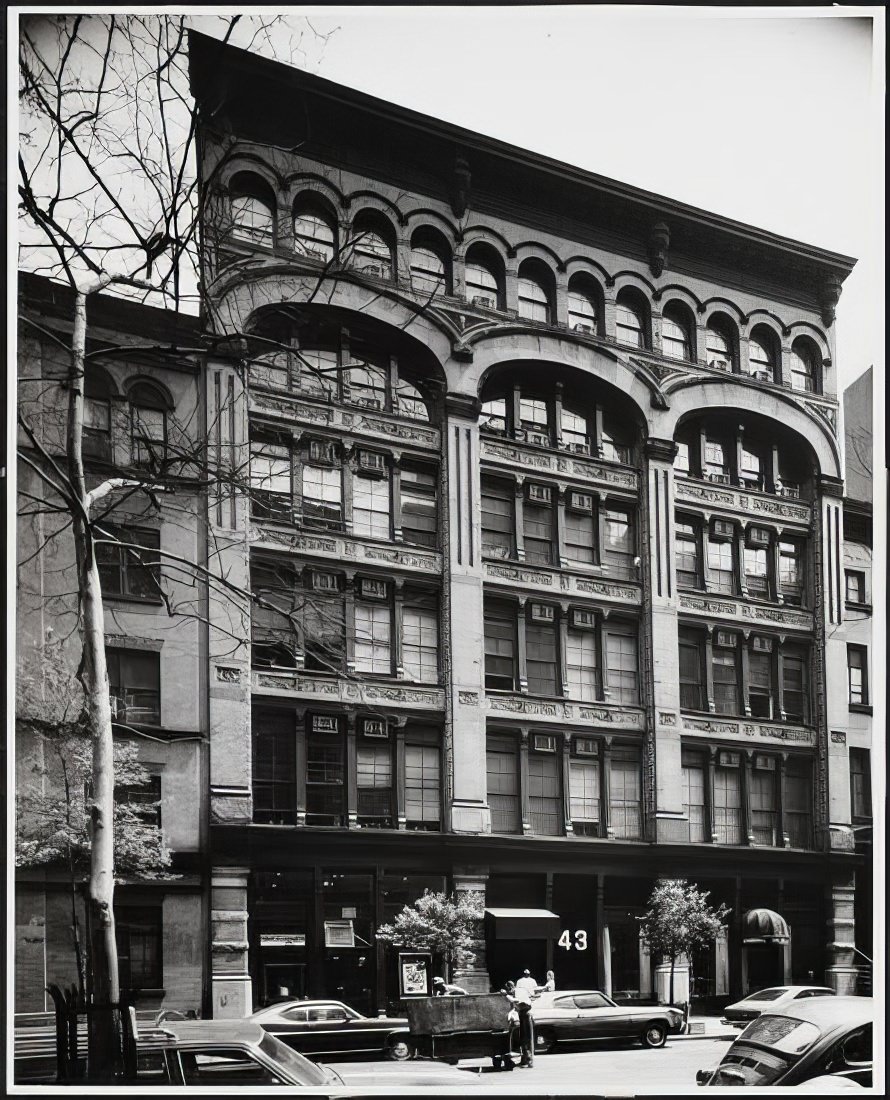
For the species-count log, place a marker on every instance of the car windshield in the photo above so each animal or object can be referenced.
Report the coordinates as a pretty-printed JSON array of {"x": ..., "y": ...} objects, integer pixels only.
[
  {"x": 767, "y": 995},
  {"x": 300, "y": 1068},
  {"x": 745, "y": 1064}
]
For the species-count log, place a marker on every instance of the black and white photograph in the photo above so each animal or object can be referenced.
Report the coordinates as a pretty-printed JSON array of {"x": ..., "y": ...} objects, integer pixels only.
[{"x": 446, "y": 508}]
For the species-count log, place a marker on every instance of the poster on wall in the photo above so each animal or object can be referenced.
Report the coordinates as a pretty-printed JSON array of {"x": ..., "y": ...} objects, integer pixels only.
[{"x": 414, "y": 974}]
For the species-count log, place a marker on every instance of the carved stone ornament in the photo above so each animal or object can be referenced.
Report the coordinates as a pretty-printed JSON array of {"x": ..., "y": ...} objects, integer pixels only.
[
  {"x": 658, "y": 244},
  {"x": 468, "y": 698},
  {"x": 829, "y": 296},
  {"x": 461, "y": 183}
]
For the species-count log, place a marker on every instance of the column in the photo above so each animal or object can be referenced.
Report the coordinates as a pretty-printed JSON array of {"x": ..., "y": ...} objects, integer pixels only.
[
  {"x": 602, "y": 939},
  {"x": 473, "y": 977},
  {"x": 524, "y": 805},
  {"x": 462, "y": 626},
  {"x": 231, "y": 995},
  {"x": 841, "y": 971},
  {"x": 665, "y": 669}
]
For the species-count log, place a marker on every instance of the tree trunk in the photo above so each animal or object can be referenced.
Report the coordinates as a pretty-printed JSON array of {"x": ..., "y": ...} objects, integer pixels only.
[
  {"x": 104, "y": 1046},
  {"x": 671, "y": 983}
]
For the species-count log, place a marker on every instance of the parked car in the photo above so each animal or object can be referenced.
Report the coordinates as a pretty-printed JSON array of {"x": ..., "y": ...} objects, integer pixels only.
[
  {"x": 207, "y": 1053},
  {"x": 318, "y": 1028},
  {"x": 404, "y": 1075},
  {"x": 817, "y": 1037},
  {"x": 775, "y": 999},
  {"x": 588, "y": 1014}
]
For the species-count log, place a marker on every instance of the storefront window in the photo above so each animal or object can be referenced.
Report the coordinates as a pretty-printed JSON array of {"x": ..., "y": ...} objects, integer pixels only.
[{"x": 349, "y": 951}]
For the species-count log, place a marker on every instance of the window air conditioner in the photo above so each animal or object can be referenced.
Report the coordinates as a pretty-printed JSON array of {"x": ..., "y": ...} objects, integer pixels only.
[
  {"x": 482, "y": 300},
  {"x": 372, "y": 589},
  {"x": 585, "y": 746},
  {"x": 764, "y": 763},
  {"x": 726, "y": 759},
  {"x": 325, "y": 582},
  {"x": 372, "y": 462},
  {"x": 720, "y": 479},
  {"x": 580, "y": 448},
  {"x": 541, "y": 494},
  {"x": 580, "y": 502},
  {"x": 762, "y": 375},
  {"x": 763, "y": 645},
  {"x": 758, "y": 536},
  {"x": 583, "y": 619},
  {"x": 374, "y": 727},
  {"x": 723, "y": 529},
  {"x": 583, "y": 328},
  {"x": 324, "y": 723},
  {"x": 718, "y": 364},
  {"x": 542, "y": 439},
  {"x": 544, "y": 742},
  {"x": 542, "y": 613},
  {"x": 724, "y": 638},
  {"x": 321, "y": 450}
]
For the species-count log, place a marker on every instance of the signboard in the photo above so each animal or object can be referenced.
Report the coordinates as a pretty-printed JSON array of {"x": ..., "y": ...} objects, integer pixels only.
[
  {"x": 338, "y": 933},
  {"x": 283, "y": 939},
  {"x": 414, "y": 973}
]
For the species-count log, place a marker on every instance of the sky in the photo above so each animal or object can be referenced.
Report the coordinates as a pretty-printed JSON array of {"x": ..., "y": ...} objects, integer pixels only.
[{"x": 768, "y": 116}]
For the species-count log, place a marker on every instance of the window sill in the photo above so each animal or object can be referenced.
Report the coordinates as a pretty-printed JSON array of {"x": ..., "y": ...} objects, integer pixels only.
[
  {"x": 123, "y": 597},
  {"x": 861, "y": 708},
  {"x": 866, "y": 608}
]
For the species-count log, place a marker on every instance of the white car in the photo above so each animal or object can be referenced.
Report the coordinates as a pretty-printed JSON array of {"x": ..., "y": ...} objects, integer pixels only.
[{"x": 773, "y": 1000}]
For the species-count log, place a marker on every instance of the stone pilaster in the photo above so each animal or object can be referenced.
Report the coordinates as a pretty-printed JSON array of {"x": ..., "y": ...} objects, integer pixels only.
[
  {"x": 231, "y": 993},
  {"x": 841, "y": 971}
]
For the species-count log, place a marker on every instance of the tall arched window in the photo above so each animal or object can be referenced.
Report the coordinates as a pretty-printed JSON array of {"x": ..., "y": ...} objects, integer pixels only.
[
  {"x": 430, "y": 263},
  {"x": 314, "y": 233},
  {"x": 409, "y": 401},
  {"x": 484, "y": 277},
  {"x": 762, "y": 356},
  {"x": 676, "y": 334},
  {"x": 583, "y": 315},
  {"x": 533, "y": 292},
  {"x": 630, "y": 320},
  {"x": 253, "y": 209},
  {"x": 804, "y": 366},
  {"x": 97, "y": 415},
  {"x": 148, "y": 420},
  {"x": 719, "y": 344},
  {"x": 372, "y": 251}
]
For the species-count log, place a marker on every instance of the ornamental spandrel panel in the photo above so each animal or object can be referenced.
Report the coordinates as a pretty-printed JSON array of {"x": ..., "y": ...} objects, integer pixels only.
[
  {"x": 727, "y": 498},
  {"x": 546, "y": 710},
  {"x": 745, "y": 730},
  {"x": 374, "y": 425},
  {"x": 724, "y": 608},
  {"x": 307, "y": 687},
  {"x": 559, "y": 463},
  {"x": 563, "y": 583},
  {"x": 344, "y": 547}
]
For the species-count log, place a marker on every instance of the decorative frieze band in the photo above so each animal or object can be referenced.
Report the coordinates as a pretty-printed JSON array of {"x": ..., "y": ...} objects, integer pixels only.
[
  {"x": 566, "y": 583},
  {"x": 356, "y": 421},
  {"x": 749, "y": 731},
  {"x": 631, "y": 718},
  {"x": 559, "y": 463},
  {"x": 738, "y": 609},
  {"x": 347, "y": 691},
  {"x": 346, "y": 548},
  {"x": 740, "y": 501}
]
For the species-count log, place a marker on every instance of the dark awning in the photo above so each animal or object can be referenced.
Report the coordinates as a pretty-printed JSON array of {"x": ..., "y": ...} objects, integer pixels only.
[
  {"x": 764, "y": 926},
  {"x": 521, "y": 924}
]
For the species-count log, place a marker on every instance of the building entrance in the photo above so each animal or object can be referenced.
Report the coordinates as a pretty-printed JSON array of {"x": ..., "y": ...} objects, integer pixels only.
[{"x": 283, "y": 979}]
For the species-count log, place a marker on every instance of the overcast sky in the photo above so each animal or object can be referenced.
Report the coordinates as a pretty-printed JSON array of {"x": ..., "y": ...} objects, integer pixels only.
[{"x": 766, "y": 116}]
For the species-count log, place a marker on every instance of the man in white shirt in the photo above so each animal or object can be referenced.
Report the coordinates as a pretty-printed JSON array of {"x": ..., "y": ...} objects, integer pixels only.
[{"x": 526, "y": 989}]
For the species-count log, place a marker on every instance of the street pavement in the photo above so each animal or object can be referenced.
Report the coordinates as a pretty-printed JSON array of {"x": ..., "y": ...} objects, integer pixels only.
[{"x": 582, "y": 1069}]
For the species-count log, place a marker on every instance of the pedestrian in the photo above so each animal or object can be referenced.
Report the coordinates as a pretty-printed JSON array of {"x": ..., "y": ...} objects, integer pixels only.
[
  {"x": 550, "y": 985},
  {"x": 526, "y": 989},
  {"x": 441, "y": 988}
]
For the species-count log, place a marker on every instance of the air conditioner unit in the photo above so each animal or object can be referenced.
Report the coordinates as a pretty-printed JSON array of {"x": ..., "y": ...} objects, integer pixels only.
[
  {"x": 580, "y": 502},
  {"x": 321, "y": 450},
  {"x": 583, "y": 619},
  {"x": 542, "y": 613},
  {"x": 762, "y": 375},
  {"x": 372, "y": 462},
  {"x": 580, "y": 448},
  {"x": 723, "y": 528},
  {"x": 585, "y": 746},
  {"x": 325, "y": 723},
  {"x": 790, "y": 490},
  {"x": 763, "y": 645},
  {"x": 727, "y": 759},
  {"x": 325, "y": 582},
  {"x": 764, "y": 763},
  {"x": 725, "y": 638},
  {"x": 719, "y": 364},
  {"x": 544, "y": 742},
  {"x": 541, "y": 494},
  {"x": 542, "y": 439},
  {"x": 372, "y": 589},
  {"x": 482, "y": 300},
  {"x": 374, "y": 727},
  {"x": 583, "y": 328},
  {"x": 758, "y": 536},
  {"x": 720, "y": 479}
]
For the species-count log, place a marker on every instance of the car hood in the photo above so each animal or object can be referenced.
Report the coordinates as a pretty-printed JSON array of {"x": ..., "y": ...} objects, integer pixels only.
[{"x": 403, "y": 1075}]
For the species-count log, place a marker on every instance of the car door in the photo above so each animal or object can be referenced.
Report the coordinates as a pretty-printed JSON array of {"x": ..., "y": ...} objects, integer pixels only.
[
  {"x": 291, "y": 1027},
  {"x": 329, "y": 1029},
  {"x": 599, "y": 1017},
  {"x": 559, "y": 1014}
]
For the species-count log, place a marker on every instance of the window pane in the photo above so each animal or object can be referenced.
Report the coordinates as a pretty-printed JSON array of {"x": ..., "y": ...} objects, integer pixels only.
[
  {"x": 317, "y": 371},
  {"x": 621, "y": 658},
  {"x": 759, "y": 357},
  {"x": 618, "y": 542},
  {"x": 794, "y": 693},
  {"x": 370, "y": 506},
  {"x": 628, "y": 326},
  {"x": 373, "y": 630},
  {"x": 584, "y": 797},
  {"x": 325, "y": 785},
  {"x": 541, "y": 658},
  {"x": 721, "y": 572},
  {"x": 533, "y": 301},
  {"x": 322, "y": 496},
  {"x": 252, "y": 219},
  {"x": 313, "y": 236},
  {"x": 422, "y": 786},
  {"x": 694, "y": 801},
  {"x": 417, "y": 489},
  {"x": 134, "y": 686},
  {"x": 760, "y": 684},
  {"x": 675, "y": 342},
  {"x": 719, "y": 350},
  {"x": 728, "y": 805},
  {"x": 497, "y": 518},
  {"x": 764, "y": 817},
  {"x": 273, "y": 770},
  {"x": 409, "y": 401},
  {"x": 538, "y": 530},
  {"x": 581, "y": 665},
  {"x": 582, "y": 309},
  {"x": 687, "y": 556},
  {"x": 503, "y": 785},
  {"x": 797, "y": 810},
  {"x": 624, "y": 803},
  {"x": 691, "y": 684},
  {"x": 500, "y": 650},
  {"x": 860, "y": 782},
  {"x": 481, "y": 282},
  {"x": 580, "y": 537},
  {"x": 374, "y": 785},
  {"x": 420, "y": 644},
  {"x": 726, "y": 690},
  {"x": 545, "y": 801}
]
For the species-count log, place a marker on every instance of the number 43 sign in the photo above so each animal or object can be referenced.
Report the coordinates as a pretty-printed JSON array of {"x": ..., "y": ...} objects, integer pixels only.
[{"x": 577, "y": 940}]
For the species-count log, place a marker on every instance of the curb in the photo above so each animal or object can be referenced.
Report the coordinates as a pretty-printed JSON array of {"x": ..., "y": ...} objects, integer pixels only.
[{"x": 705, "y": 1035}]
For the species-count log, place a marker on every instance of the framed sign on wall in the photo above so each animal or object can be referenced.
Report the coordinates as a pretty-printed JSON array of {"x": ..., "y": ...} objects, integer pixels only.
[{"x": 414, "y": 973}]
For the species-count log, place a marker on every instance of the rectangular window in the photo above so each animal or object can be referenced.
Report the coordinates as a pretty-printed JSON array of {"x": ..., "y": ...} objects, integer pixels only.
[
  {"x": 721, "y": 571},
  {"x": 133, "y": 569},
  {"x": 139, "y": 934},
  {"x": 417, "y": 492},
  {"x": 692, "y": 693},
  {"x": 726, "y": 680},
  {"x": 624, "y": 794},
  {"x": 728, "y": 805},
  {"x": 855, "y": 586},
  {"x": 573, "y": 432},
  {"x": 716, "y": 467},
  {"x": 581, "y": 665},
  {"x": 322, "y": 497},
  {"x": 497, "y": 518},
  {"x": 584, "y": 797},
  {"x": 420, "y": 643},
  {"x": 149, "y": 435},
  {"x": 533, "y": 412},
  {"x": 134, "y": 684},
  {"x": 325, "y": 779},
  {"x": 760, "y": 684},
  {"x": 503, "y": 785},
  {"x": 370, "y": 506},
  {"x": 622, "y": 665},
  {"x": 541, "y": 658},
  {"x": 373, "y": 765},
  {"x": 500, "y": 648},
  {"x": 794, "y": 684},
  {"x": 857, "y": 675},
  {"x": 544, "y": 797},
  {"x": 324, "y": 632},
  {"x": 681, "y": 459},
  {"x": 538, "y": 531},
  {"x": 274, "y": 769},
  {"x": 96, "y": 428},
  {"x": 274, "y": 640},
  {"x": 317, "y": 371},
  {"x": 791, "y": 571},
  {"x": 687, "y": 555},
  {"x": 757, "y": 572},
  {"x": 144, "y": 798},
  {"x": 580, "y": 536},
  {"x": 764, "y": 807},
  {"x": 373, "y": 638},
  {"x": 618, "y": 542},
  {"x": 857, "y": 528},
  {"x": 860, "y": 784},
  {"x": 270, "y": 476},
  {"x": 751, "y": 471},
  {"x": 797, "y": 809},
  {"x": 694, "y": 773},
  {"x": 423, "y": 781}
]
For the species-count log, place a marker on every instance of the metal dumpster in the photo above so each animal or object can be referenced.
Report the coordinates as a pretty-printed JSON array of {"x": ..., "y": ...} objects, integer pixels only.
[{"x": 450, "y": 1028}]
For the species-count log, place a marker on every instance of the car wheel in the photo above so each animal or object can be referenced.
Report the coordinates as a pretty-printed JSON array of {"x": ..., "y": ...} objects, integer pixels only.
[
  {"x": 654, "y": 1035},
  {"x": 545, "y": 1041},
  {"x": 399, "y": 1050}
]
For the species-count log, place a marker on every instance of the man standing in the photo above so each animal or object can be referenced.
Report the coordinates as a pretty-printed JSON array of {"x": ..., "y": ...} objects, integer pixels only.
[{"x": 526, "y": 989}]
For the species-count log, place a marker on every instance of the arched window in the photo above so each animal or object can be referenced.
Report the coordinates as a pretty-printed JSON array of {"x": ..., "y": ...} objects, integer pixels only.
[
  {"x": 314, "y": 233},
  {"x": 534, "y": 299},
  {"x": 494, "y": 415},
  {"x": 583, "y": 312},
  {"x": 148, "y": 421},
  {"x": 762, "y": 354},
  {"x": 676, "y": 336},
  {"x": 630, "y": 320},
  {"x": 97, "y": 415},
  {"x": 719, "y": 344},
  {"x": 430, "y": 264},
  {"x": 484, "y": 277},
  {"x": 409, "y": 401},
  {"x": 253, "y": 209},
  {"x": 804, "y": 366},
  {"x": 372, "y": 252}
]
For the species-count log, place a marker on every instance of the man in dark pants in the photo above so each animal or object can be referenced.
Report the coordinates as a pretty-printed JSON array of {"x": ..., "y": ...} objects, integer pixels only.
[{"x": 522, "y": 998}]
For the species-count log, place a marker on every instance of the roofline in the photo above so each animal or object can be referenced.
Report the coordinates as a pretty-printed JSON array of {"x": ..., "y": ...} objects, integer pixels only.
[{"x": 660, "y": 204}]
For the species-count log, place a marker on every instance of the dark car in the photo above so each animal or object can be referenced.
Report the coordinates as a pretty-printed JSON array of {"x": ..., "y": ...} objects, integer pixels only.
[
  {"x": 320, "y": 1028},
  {"x": 826, "y": 1037},
  {"x": 588, "y": 1014}
]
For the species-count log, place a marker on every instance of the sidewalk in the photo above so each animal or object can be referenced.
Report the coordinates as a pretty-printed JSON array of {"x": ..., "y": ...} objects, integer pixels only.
[{"x": 707, "y": 1027}]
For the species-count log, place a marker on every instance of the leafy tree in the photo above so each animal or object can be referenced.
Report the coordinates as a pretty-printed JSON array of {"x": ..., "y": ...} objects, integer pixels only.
[
  {"x": 438, "y": 923},
  {"x": 679, "y": 920}
]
